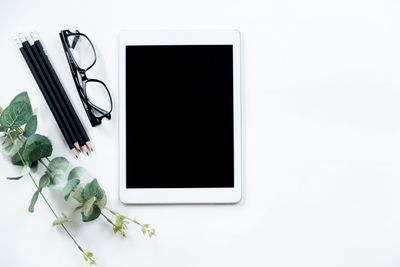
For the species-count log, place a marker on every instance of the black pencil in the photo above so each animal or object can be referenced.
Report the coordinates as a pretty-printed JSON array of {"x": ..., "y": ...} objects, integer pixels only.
[
  {"x": 63, "y": 96},
  {"x": 23, "y": 47},
  {"x": 55, "y": 97},
  {"x": 45, "y": 78}
]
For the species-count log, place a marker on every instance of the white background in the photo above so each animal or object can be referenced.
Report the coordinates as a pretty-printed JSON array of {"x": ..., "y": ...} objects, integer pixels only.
[{"x": 321, "y": 84}]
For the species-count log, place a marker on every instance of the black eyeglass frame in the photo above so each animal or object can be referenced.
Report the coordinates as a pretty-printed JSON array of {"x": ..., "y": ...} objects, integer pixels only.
[{"x": 82, "y": 79}]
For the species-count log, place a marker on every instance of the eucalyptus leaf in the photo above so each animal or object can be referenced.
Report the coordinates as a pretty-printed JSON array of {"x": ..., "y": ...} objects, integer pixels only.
[
  {"x": 77, "y": 208},
  {"x": 88, "y": 206},
  {"x": 59, "y": 163},
  {"x": 69, "y": 187},
  {"x": 44, "y": 180},
  {"x": 36, "y": 147},
  {"x": 78, "y": 194},
  {"x": 9, "y": 149},
  {"x": 33, "y": 201},
  {"x": 11, "y": 144},
  {"x": 15, "y": 115},
  {"x": 2, "y": 129},
  {"x": 17, "y": 158},
  {"x": 60, "y": 220},
  {"x": 102, "y": 203},
  {"x": 31, "y": 126},
  {"x": 80, "y": 173},
  {"x": 58, "y": 179},
  {"x": 23, "y": 172},
  {"x": 14, "y": 178},
  {"x": 34, "y": 166},
  {"x": 93, "y": 216},
  {"x": 93, "y": 189},
  {"x": 21, "y": 97}
]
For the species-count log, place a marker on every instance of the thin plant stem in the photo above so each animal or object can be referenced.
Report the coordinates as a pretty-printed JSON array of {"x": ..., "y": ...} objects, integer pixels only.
[
  {"x": 108, "y": 219},
  {"x": 47, "y": 167}
]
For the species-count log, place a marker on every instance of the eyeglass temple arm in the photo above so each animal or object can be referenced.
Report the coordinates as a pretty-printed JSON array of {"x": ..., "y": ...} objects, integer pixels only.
[{"x": 76, "y": 38}]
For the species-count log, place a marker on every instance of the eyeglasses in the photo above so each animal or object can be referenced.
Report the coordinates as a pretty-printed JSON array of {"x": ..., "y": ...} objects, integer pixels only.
[{"x": 81, "y": 57}]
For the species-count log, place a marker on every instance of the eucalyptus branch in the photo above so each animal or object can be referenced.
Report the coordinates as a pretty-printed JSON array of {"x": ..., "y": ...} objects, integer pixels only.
[
  {"x": 48, "y": 204},
  {"x": 29, "y": 149}
]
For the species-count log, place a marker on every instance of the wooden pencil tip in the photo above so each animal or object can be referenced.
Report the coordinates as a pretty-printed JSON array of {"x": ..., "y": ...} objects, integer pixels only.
[
  {"x": 76, "y": 145},
  {"x": 85, "y": 149},
  {"x": 75, "y": 152},
  {"x": 89, "y": 145}
]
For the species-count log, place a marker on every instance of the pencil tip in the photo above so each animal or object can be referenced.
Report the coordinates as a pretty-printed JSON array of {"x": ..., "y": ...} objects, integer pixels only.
[{"x": 87, "y": 153}]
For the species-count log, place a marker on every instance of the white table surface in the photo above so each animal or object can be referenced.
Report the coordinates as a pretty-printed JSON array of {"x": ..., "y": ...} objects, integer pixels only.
[{"x": 321, "y": 83}]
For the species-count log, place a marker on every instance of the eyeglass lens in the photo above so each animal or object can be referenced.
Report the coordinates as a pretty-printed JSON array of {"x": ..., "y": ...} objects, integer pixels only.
[
  {"x": 81, "y": 50},
  {"x": 97, "y": 95}
]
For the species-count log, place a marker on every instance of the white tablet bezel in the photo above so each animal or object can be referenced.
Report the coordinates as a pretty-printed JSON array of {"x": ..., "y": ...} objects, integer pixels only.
[{"x": 180, "y": 195}]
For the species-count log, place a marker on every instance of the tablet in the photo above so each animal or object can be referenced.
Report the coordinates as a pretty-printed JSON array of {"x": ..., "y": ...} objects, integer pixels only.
[{"x": 180, "y": 116}]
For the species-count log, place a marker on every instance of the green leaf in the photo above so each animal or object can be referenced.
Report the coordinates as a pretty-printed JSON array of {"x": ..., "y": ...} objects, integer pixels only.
[
  {"x": 16, "y": 158},
  {"x": 80, "y": 173},
  {"x": 11, "y": 144},
  {"x": 93, "y": 189},
  {"x": 23, "y": 172},
  {"x": 30, "y": 127},
  {"x": 58, "y": 179},
  {"x": 59, "y": 163},
  {"x": 33, "y": 201},
  {"x": 15, "y": 115},
  {"x": 2, "y": 129},
  {"x": 34, "y": 166},
  {"x": 102, "y": 203},
  {"x": 88, "y": 206},
  {"x": 93, "y": 216},
  {"x": 44, "y": 180},
  {"x": 77, "y": 208},
  {"x": 15, "y": 178},
  {"x": 36, "y": 147},
  {"x": 60, "y": 220},
  {"x": 152, "y": 232},
  {"x": 69, "y": 187},
  {"x": 78, "y": 195},
  {"x": 22, "y": 97}
]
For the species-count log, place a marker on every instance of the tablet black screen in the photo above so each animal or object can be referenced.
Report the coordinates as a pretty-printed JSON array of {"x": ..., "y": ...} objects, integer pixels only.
[{"x": 179, "y": 121}]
